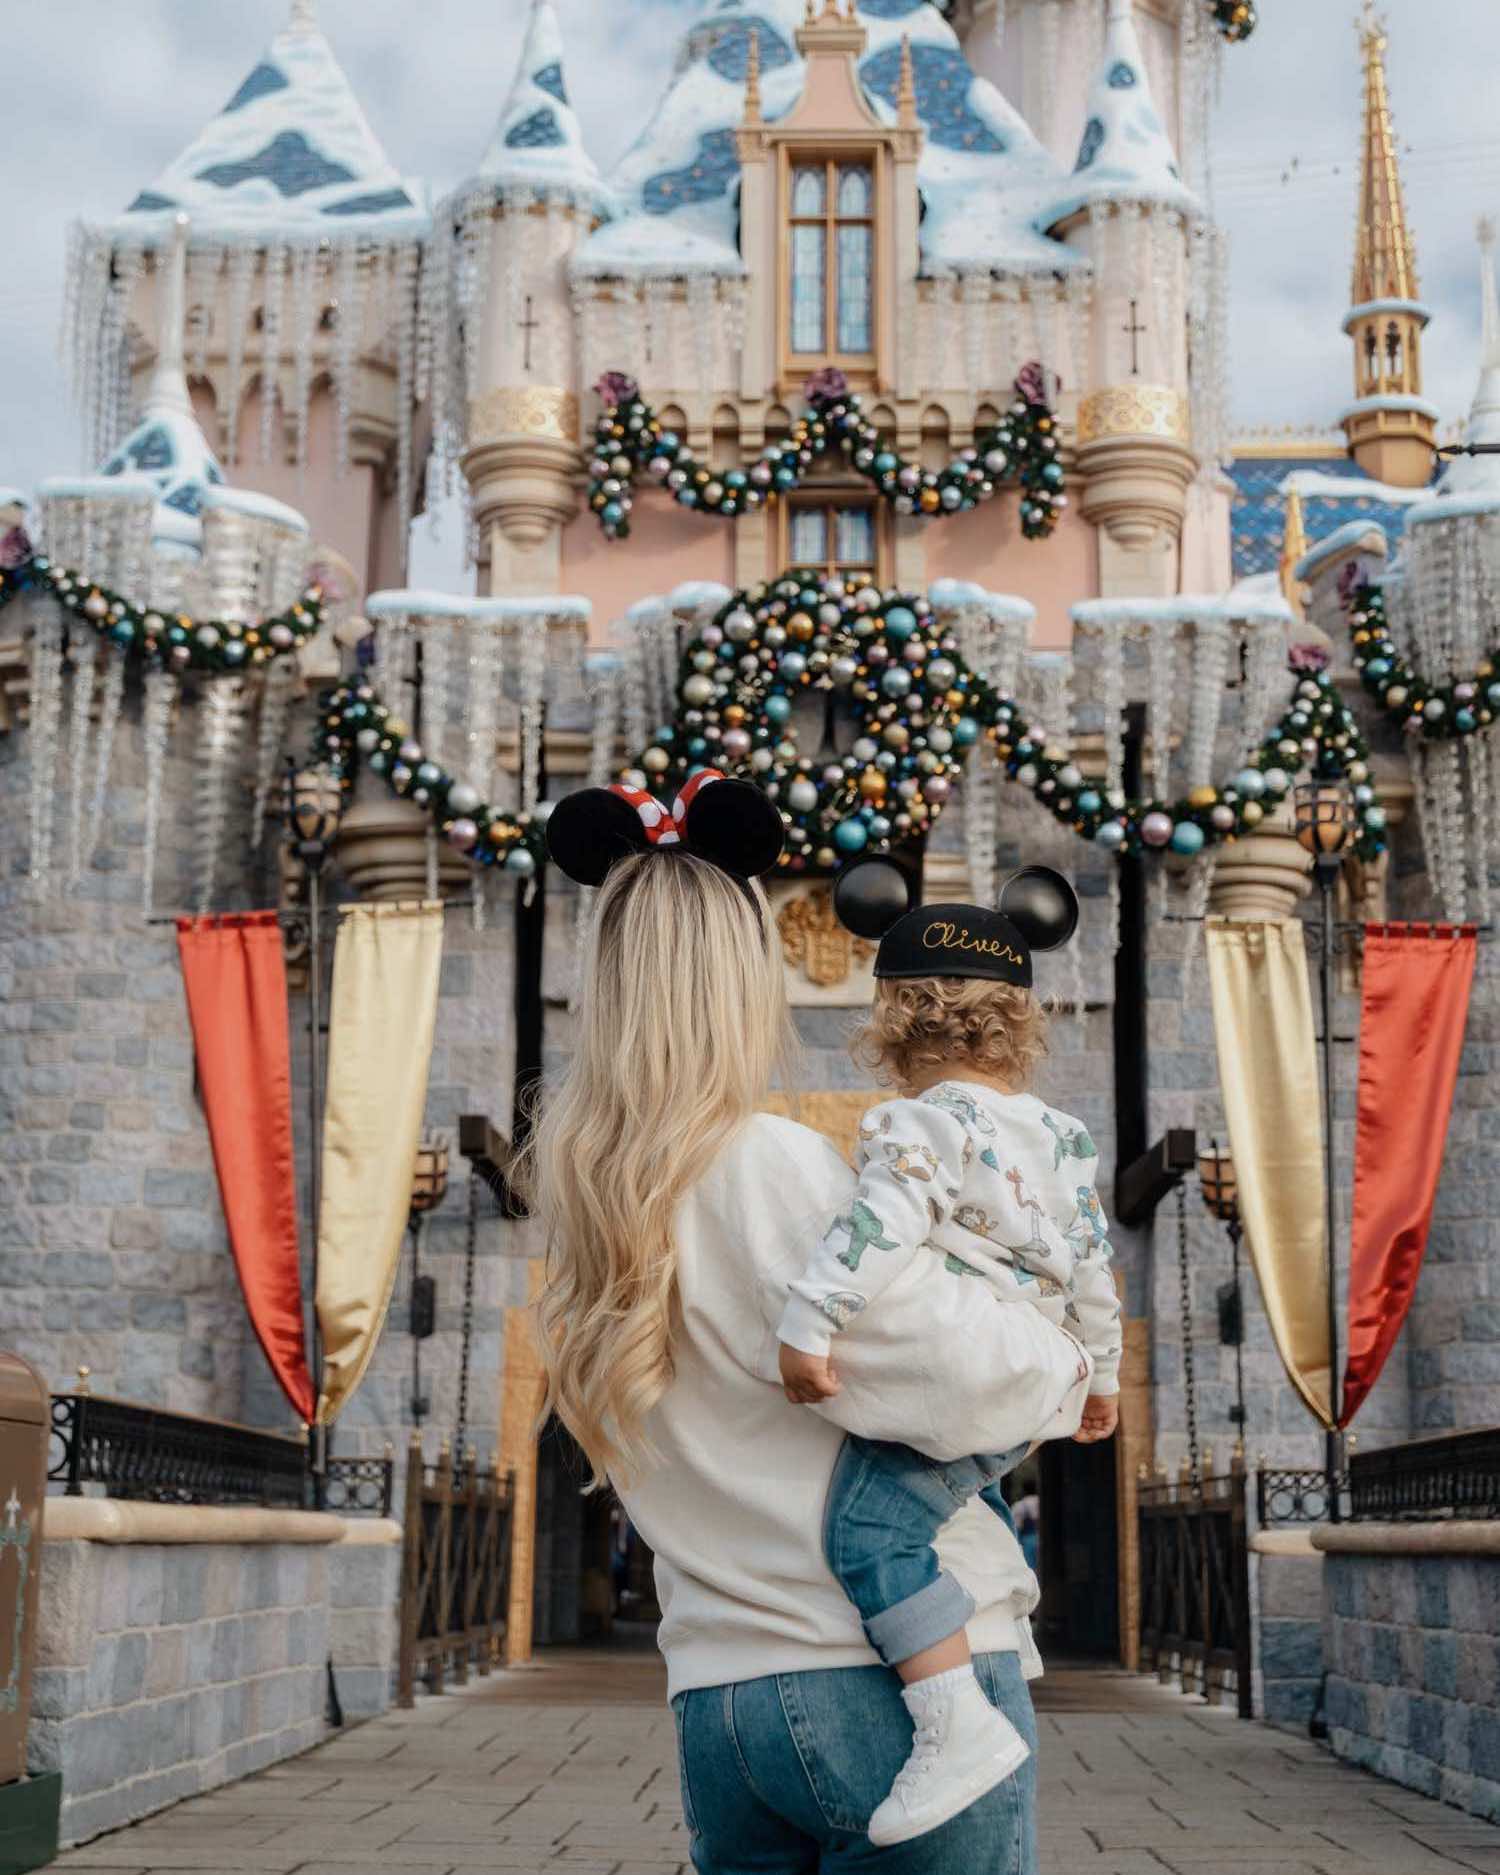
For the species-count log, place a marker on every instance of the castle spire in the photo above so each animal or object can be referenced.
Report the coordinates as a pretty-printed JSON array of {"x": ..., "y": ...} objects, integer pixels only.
[
  {"x": 1392, "y": 431},
  {"x": 1480, "y": 474},
  {"x": 303, "y": 17},
  {"x": 752, "y": 80},
  {"x": 538, "y": 141}
]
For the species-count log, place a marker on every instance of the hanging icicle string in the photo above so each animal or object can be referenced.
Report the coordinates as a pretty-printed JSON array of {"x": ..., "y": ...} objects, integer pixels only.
[{"x": 161, "y": 700}]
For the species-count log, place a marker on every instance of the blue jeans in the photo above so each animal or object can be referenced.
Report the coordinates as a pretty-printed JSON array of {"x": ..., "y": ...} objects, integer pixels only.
[
  {"x": 886, "y": 1504},
  {"x": 780, "y": 1776}
]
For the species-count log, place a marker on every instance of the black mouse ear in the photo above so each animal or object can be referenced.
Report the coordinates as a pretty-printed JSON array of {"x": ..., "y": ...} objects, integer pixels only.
[
  {"x": 734, "y": 826},
  {"x": 870, "y": 895},
  {"x": 1042, "y": 906},
  {"x": 591, "y": 829}
]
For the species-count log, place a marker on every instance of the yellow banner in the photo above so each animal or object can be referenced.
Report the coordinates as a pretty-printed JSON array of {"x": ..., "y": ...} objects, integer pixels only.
[
  {"x": 1268, "y": 1070},
  {"x": 385, "y": 982}
]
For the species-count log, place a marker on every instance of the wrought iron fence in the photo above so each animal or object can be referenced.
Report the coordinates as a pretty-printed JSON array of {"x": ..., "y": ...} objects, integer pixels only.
[
  {"x": 455, "y": 1572},
  {"x": 146, "y": 1453},
  {"x": 1195, "y": 1584},
  {"x": 1455, "y": 1476},
  {"x": 1296, "y": 1494}
]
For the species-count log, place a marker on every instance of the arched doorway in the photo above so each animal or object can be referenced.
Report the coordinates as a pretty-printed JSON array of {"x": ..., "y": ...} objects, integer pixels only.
[{"x": 592, "y": 1578}]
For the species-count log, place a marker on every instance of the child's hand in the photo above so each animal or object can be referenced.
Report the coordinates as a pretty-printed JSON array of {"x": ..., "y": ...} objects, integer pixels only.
[
  {"x": 1101, "y": 1414},
  {"x": 807, "y": 1378}
]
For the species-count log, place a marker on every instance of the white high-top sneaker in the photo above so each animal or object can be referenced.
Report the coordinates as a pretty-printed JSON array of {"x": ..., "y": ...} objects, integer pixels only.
[{"x": 963, "y": 1748}]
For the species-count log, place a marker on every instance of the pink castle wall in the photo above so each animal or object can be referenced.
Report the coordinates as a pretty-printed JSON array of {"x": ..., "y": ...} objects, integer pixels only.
[
  {"x": 667, "y": 546},
  {"x": 987, "y": 545}
]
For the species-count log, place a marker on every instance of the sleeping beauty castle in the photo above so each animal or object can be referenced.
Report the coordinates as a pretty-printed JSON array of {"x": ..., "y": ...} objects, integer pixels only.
[{"x": 865, "y": 433}]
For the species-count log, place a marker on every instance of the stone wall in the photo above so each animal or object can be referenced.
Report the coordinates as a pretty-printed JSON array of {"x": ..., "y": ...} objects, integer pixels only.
[
  {"x": 1287, "y": 1598},
  {"x": 1413, "y": 1651},
  {"x": 166, "y": 1667}
]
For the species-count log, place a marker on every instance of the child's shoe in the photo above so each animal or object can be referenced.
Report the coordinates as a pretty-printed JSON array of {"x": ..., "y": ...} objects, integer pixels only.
[{"x": 962, "y": 1749}]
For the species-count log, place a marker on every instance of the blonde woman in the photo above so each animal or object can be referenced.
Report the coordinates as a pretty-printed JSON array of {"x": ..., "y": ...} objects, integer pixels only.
[{"x": 676, "y": 1216}]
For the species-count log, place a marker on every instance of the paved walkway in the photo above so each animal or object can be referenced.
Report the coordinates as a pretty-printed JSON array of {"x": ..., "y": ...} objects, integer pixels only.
[{"x": 569, "y": 1769}]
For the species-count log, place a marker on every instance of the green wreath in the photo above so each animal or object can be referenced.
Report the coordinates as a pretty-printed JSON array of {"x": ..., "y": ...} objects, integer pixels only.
[
  {"x": 1023, "y": 446},
  {"x": 1439, "y": 712}
]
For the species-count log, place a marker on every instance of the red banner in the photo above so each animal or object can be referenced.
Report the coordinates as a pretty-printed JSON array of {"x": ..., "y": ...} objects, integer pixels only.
[
  {"x": 1416, "y": 1003},
  {"x": 235, "y": 978}
]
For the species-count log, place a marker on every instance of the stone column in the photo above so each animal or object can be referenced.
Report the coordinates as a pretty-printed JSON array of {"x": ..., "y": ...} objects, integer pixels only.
[
  {"x": 1136, "y": 467},
  {"x": 523, "y": 465},
  {"x": 1264, "y": 874}
]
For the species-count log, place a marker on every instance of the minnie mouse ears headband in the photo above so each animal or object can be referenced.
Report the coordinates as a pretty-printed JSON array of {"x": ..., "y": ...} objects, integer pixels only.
[
  {"x": 731, "y": 824},
  {"x": 1038, "y": 911}
]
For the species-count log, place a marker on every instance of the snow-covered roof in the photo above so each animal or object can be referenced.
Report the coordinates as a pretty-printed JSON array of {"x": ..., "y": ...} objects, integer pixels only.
[
  {"x": 290, "y": 156},
  {"x": 1125, "y": 154},
  {"x": 1321, "y": 485},
  {"x": 538, "y": 142},
  {"x": 1480, "y": 474},
  {"x": 985, "y": 180},
  {"x": 1350, "y": 538}
]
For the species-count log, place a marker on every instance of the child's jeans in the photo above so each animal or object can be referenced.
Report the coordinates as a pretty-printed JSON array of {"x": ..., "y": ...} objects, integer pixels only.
[{"x": 886, "y": 1504}]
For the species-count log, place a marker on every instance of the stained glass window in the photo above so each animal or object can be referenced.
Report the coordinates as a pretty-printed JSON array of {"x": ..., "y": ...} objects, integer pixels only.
[{"x": 832, "y": 246}]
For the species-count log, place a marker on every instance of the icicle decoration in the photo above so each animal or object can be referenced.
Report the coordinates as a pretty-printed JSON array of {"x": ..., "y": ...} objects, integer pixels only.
[
  {"x": 1163, "y": 249},
  {"x": 1111, "y": 664},
  {"x": 437, "y": 720},
  {"x": 1161, "y": 658},
  {"x": 484, "y": 646},
  {"x": 981, "y": 811},
  {"x": 111, "y": 697},
  {"x": 273, "y": 292},
  {"x": 1200, "y": 881},
  {"x": 1210, "y": 666},
  {"x": 1479, "y": 757},
  {"x": 345, "y": 347},
  {"x": 658, "y": 298},
  {"x": 242, "y": 262},
  {"x": 46, "y": 724},
  {"x": 1264, "y": 686},
  {"x": 1077, "y": 288},
  {"x": 974, "y": 300},
  {"x": 278, "y": 694},
  {"x": 204, "y": 265},
  {"x": 1047, "y": 64},
  {"x": 405, "y": 337},
  {"x": 1008, "y": 318},
  {"x": 1076, "y": 992},
  {"x": 85, "y": 658},
  {"x": 701, "y": 298},
  {"x": 304, "y": 340},
  {"x": 223, "y": 708},
  {"x": 156, "y": 726},
  {"x": 532, "y": 682}
]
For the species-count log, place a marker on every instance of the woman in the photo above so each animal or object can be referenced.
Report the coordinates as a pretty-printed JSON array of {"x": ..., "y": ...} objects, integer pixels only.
[{"x": 676, "y": 1213}]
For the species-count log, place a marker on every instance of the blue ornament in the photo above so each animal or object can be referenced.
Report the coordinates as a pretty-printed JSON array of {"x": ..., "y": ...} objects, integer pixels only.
[
  {"x": 880, "y": 827},
  {"x": 669, "y": 442},
  {"x": 697, "y": 748},
  {"x": 885, "y": 463},
  {"x": 520, "y": 861},
  {"x": 1378, "y": 667},
  {"x": 1492, "y": 694},
  {"x": 792, "y": 666},
  {"x": 1251, "y": 783},
  {"x": 785, "y": 478},
  {"x": 778, "y": 708},
  {"x": 851, "y": 836},
  {"x": 1089, "y": 802},
  {"x": 896, "y": 682},
  {"x": 612, "y": 513},
  {"x": 965, "y": 732},
  {"x": 1375, "y": 819},
  {"x": 234, "y": 652},
  {"x": 1111, "y": 836},
  {"x": 1187, "y": 837},
  {"x": 900, "y": 623},
  {"x": 122, "y": 632},
  {"x": 1466, "y": 720}
]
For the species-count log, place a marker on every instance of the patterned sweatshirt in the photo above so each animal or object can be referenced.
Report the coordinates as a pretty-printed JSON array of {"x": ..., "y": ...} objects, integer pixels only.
[{"x": 1001, "y": 1186}]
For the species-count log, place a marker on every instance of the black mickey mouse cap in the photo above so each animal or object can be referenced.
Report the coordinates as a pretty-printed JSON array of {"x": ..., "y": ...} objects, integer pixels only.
[{"x": 955, "y": 941}]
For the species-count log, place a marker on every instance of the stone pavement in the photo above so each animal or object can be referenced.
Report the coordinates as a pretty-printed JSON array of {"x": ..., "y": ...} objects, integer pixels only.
[{"x": 569, "y": 1769}]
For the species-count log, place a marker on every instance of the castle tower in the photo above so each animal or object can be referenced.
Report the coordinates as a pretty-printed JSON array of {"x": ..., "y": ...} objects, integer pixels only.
[
  {"x": 1471, "y": 475},
  {"x": 537, "y": 194},
  {"x": 1127, "y": 207},
  {"x": 300, "y": 331},
  {"x": 1392, "y": 430}
]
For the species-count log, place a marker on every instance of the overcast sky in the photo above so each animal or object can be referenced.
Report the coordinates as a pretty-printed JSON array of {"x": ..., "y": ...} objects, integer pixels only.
[{"x": 101, "y": 94}]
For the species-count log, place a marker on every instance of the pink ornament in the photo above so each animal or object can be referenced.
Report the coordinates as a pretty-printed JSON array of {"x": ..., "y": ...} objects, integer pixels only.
[
  {"x": 1156, "y": 829},
  {"x": 463, "y": 834}
]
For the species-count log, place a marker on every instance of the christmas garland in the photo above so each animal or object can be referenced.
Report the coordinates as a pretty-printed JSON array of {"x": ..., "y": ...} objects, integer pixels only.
[
  {"x": 171, "y": 640},
  {"x": 1438, "y": 712},
  {"x": 921, "y": 709},
  {"x": 1022, "y": 446},
  {"x": 355, "y": 725}
]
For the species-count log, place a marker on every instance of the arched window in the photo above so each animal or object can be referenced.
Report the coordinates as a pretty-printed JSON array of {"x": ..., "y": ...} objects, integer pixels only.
[
  {"x": 1393, "y": 349},
  {"x": 837, "y": 536},
  {"x": 1372, "y": 355},
  {"x": 831, "y": 245}
]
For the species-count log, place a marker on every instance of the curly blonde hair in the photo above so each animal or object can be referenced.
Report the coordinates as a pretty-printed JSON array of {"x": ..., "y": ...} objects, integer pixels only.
[{"x": 918, "y": 1024}]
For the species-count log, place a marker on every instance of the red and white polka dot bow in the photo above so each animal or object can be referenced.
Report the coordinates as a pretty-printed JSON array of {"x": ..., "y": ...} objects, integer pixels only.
[{"x": 664, "y": 825}]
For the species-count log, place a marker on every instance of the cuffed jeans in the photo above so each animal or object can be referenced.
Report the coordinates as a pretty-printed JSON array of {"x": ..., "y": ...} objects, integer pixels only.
[
  {"x": 886, "y": 1504},
  {"x": 780, "y": 1776}
]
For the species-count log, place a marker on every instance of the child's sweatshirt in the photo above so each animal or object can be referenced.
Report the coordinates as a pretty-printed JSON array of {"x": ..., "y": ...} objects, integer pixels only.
[{"x": 1000, "y": 1184}]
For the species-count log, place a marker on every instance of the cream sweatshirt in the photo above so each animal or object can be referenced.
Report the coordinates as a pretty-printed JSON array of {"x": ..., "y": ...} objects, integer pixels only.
[{"x": 733, "y": 1505}]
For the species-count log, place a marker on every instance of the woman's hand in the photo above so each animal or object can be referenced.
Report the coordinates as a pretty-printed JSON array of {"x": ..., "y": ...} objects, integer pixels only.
[
  {"x": 1101, "y": 1414},
  {"x": 807, "y": 1378}
]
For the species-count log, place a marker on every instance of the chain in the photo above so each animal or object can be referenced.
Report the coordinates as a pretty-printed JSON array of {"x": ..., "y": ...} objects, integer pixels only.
[
  {"x": 1190, "y": 1389},
  {"x": 467, "y": 1339}
]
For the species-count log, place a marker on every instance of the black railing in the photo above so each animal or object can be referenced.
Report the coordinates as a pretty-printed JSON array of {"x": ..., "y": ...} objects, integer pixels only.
[
  {"x": 1295, "y": 1494},
  {"x": 1427, "y": 1480},
  {"x": 157, "y": 1457},
  {"x": 1195, "y": 1585}
]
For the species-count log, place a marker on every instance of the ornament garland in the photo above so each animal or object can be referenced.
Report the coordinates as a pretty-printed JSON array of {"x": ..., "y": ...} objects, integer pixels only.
[
  {"x": 1438, "y": 712},
  {"x": 920, "y": 710},
  {"x": 165, "y": 641},
  {"x": 1022, "y": 446},
  {"x": 356, "y": 726}
]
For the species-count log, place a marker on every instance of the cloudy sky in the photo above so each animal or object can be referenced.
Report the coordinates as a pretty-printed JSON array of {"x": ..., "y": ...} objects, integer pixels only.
[{"x": 100, "y": 94}]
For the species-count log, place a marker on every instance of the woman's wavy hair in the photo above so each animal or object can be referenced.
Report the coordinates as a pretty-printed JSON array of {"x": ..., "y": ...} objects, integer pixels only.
[{"x": 681, "y": 1023}]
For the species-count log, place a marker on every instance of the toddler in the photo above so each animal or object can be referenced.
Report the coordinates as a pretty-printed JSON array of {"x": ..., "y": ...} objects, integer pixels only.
[{"x": 969, "y": 1166}]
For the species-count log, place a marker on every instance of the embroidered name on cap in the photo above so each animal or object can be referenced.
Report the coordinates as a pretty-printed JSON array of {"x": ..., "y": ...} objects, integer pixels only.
[{"x": 941, "y": 936}]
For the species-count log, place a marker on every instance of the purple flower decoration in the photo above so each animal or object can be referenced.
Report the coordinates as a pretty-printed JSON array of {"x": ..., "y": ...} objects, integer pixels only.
[
  {"x": 1308, "y": 659},
  {"x": 827, "y": 385},
  {"x": 617, "y": 387},
  {"x": 1036, "y": 384},
  {"x": 15, "y": 549}
]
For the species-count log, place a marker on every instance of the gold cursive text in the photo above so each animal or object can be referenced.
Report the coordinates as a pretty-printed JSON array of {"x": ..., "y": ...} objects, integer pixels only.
[{"x": 941, "y": 936}]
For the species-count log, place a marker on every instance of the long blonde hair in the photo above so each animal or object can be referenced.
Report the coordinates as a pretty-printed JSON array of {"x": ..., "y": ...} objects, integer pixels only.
[{"x": 681, "y": 1022}]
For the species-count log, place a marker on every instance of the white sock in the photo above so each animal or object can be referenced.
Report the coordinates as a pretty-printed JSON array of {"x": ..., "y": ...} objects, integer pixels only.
[{"x": 951, "y": 1680}]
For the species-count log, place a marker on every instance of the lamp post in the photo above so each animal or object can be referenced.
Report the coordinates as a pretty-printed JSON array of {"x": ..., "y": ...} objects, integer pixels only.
[
  {"x": 1220, "y": 1189},
  {"x": 1325, "y": 826},
  {"x": 429, "y": 1185},
  {"x": 310, "y": 814}
]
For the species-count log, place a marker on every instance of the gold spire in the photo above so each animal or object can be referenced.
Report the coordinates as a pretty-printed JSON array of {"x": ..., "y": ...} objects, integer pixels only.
[
  {"x": 1293, "y": 547},
  {"x": 752, "y": 80},
  {"x": 1384, "y": 262},
  {"x": 906, "y": 90}
]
